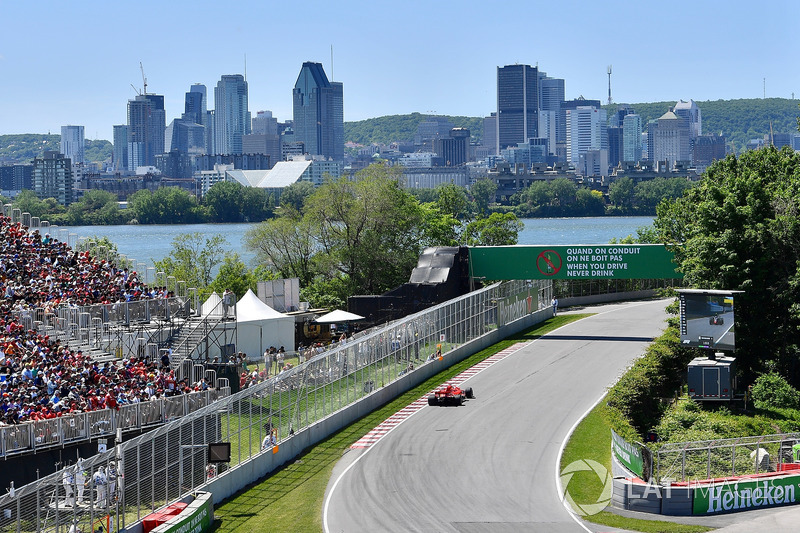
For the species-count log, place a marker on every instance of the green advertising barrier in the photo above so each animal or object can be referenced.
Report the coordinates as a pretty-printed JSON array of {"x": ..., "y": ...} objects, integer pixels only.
[
  {"x": 630, "y": 455},
  {"x": 745, "y": 495},
  {"x": 585, "y": 261}
]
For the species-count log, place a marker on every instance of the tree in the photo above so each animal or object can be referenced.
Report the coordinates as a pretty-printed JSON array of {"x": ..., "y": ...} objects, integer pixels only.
[
  {"x": 295, "y": 195},
  {"x": 484, "y": 192},
  {"x": 225, "y": 201},
  {"x": 620, "y": 193},
  {"x": 166, "y": 205},
  {"x": 452, "y": 200},
  {"x": 739, "y": 229},
  {"x": 368, "y": 229},
  {"x": 96, "y": 207},
  {"x": 498, "y": 229},
  {"x": 285, "y": 244},
  {"x": 193, "y": 258}
]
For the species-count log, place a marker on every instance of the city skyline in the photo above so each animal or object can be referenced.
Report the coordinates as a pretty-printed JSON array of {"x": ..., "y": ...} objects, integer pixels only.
[{"x": 428, "y": 58}]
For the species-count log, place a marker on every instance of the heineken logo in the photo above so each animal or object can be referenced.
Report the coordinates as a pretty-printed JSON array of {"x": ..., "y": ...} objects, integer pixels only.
[{"x": 745, "y": 495}]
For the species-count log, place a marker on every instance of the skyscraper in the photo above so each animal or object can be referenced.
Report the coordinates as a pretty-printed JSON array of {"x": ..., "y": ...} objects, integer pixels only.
[
  {"x": 120, "y": 155},
  {"x": 517, "y": 105},
  {"x": 632, "y": 138},
  {"x": 318, "y": 106},
  {"x": 52, "y": 177},
  {"x": 551, "y": 98},
  {"x": 147, "y": 122},
  {"x": 73, "y": 143},
  {"x": 231, "y": 114},
  {"x": 689, "y": 112},
  {"x": 195, "y": 104},
  {"x": 673, "y": 139},
  {"x": 586, "y": 130}
]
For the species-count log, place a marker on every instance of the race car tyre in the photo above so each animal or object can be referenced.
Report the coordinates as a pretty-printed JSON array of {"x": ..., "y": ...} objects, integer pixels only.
[
  {"x": 459, "y": 400},
  {"x": 469, "y": 393},
  {"x": 431, "y": 400}
]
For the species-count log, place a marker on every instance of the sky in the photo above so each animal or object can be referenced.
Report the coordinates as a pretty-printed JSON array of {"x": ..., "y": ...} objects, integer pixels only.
[{"x": 74, "y": 62}]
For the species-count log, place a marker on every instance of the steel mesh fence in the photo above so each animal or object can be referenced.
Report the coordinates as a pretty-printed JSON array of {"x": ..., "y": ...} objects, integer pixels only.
[
  {"x": 702, "y": 460},
  {"x": 136, "y": 477}
]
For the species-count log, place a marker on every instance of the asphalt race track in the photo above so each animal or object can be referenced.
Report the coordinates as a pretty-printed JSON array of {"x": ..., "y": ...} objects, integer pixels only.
[{"x": 489, "y": 466}]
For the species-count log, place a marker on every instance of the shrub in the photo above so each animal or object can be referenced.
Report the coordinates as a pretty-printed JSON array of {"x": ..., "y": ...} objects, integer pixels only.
[{"x": 772, "y": 390}]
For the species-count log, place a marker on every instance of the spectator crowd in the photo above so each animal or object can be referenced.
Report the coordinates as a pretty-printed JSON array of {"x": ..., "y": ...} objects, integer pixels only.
[{"x": 41, "y": 378}]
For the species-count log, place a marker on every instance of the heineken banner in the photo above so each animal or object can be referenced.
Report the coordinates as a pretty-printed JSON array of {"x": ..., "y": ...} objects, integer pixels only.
[
  {"x": 745, "y": 495},
  {"x": 595, "y": 261},
  {"x": 630, "y": 455}
]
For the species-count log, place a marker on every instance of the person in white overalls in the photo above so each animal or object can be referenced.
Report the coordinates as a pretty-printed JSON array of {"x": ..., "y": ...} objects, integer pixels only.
[
  {"x": 68, "y": 480},
  {"x": 81, "y": 476},
  {"x": 101, "y": 486}
]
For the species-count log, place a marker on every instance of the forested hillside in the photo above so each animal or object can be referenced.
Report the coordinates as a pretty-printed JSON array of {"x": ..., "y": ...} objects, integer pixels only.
[
  {"x": 738, "y": 120},
  {"x": 402, "y": 128},
  {"x": 23, "y": 147}
]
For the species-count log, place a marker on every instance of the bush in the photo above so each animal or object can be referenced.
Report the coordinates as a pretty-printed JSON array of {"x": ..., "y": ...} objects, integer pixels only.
[{"x": 772, "y": 390}]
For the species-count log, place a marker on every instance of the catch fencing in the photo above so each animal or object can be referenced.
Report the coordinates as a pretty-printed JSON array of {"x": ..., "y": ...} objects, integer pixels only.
[
  {"x": 161, "y": 466},
  {"x": 711, "y": 459}
]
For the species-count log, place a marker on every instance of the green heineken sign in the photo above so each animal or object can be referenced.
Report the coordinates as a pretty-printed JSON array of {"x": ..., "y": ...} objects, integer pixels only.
[
  {"x": 628, "y": 454},
  {"x": 585, "y": 261},
  {"x": 744, "y": 495}
]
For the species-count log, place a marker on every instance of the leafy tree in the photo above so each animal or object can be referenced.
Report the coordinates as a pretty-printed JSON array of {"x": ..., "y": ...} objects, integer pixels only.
[
  {"x": 285, "y": 244},
  {"x": 589, "y": 203},
  {"x": 368, "y": 228},
  {"x": 193, "y": 258},
  {"x": 295, "y": 195},
  {"x": 96, "y": 207},
  {"x": 27, "y": 202},
  {"x": 452, "y": 200},
  {"x": 771, "y": 390},
  {"x": 166, "y": 205},
  {"x": 483, "y": 193},
  {"x": 438, "y": 229},
  {"x": 739, "y": 229},
  {"x": 498, "y": 229},
  {"x": 620, "y": 193},
  {"x": 225, "y": 201}
]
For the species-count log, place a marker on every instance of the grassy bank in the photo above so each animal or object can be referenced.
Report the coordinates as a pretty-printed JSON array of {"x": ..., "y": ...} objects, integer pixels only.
[
  {"x": 592, "y": 440},
  {"x": 291, "y": 498}
]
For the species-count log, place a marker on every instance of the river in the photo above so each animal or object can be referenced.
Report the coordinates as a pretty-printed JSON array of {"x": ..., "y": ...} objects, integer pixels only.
[{"x": 146, "y": 243}]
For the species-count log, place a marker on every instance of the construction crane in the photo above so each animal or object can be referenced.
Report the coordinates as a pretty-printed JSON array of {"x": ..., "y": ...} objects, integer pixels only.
[
  {"x": 137, "y": 91},
  {"x": 144, "y": 80}
]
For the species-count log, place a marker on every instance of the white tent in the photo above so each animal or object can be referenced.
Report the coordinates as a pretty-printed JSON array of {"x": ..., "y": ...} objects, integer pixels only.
[
  {"x": 338, "y": 316},
  {"x": 260, "y": 326}
]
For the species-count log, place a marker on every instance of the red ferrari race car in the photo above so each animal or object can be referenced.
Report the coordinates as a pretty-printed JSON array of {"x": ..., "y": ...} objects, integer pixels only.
[{"x": 450, "y": 395}]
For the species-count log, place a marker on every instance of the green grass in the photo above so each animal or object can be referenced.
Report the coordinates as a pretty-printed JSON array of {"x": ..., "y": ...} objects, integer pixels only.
[
  {"x": 291, "y": 498},
  {"x": 592, "y": 440}
]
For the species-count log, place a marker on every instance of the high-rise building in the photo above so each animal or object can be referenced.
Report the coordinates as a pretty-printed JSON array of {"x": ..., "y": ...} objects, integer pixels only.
[
  {"x": 707, "y": 149},
  {"x": 551, "y": 98},
  {"x": 318, "y": 106},
  {"x": 586, "y": 130},
  {"x": 147, "y": 122},
  {"x": 263, "y": 143},
  {"x": 231, "y": 115},
  {"x": 517, "y": 105},
  {"x": 264, "y": 124},
  {"x": 14, "y": 178},
  {"x": 632, "y": 138},
  {"x": 195, "y": 106},
  {"x": 689, "y": 112},
  {"x": 615, "y": 145},
  {"x": 453, "y": 150},
  {"x": 119, "y": 158},
  {"x": 490, "y": 133},
  {"x": 73, "y": 144},
  {"x": 186, "y": 137},
  {"x": 52, "y": 177},
  {"x": 672, "y": 139}
]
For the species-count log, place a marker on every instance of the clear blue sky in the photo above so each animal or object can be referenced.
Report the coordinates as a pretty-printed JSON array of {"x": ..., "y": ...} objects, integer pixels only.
[{"x": 73, "y": 62}]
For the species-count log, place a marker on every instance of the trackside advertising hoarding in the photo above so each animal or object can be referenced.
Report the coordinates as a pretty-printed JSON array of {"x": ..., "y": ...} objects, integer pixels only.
[
  {"x": 745, "y": 495},
  {"x": 517, "y": 306},
  {"x": 584, "y": 261},
  {"x": 630, "y": 455},
  {"x": 196, "y": 518}
]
